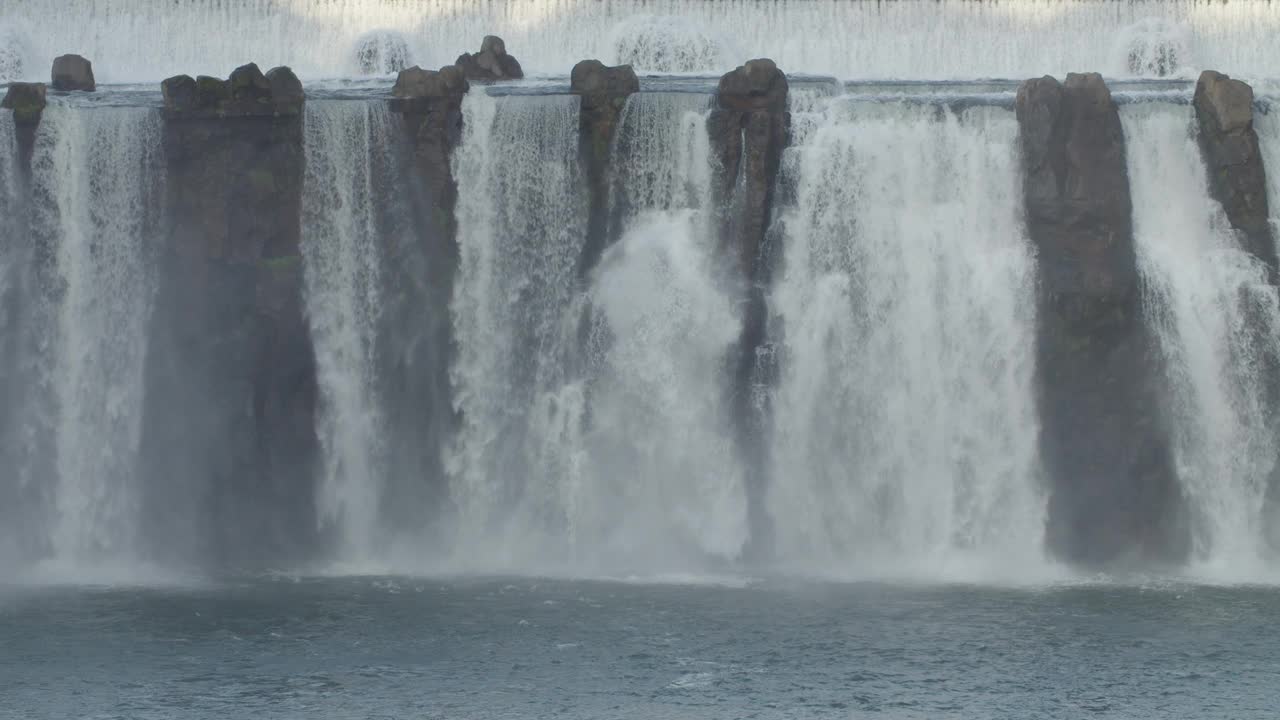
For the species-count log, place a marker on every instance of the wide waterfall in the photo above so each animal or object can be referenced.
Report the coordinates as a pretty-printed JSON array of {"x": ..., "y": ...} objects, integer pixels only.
[
  {"x": 1218, "y": 321},
  {"x": 76, "y": 310},
  {"x": 906, "y": 432},
  {"x": 936, "y": 40}
]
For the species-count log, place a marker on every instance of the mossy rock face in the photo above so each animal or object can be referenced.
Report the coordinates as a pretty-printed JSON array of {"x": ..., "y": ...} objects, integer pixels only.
[
  {"x": 261, "y": 181},
  {"x": 282, "y": 264},
  {"x": 26, "y": 100}
]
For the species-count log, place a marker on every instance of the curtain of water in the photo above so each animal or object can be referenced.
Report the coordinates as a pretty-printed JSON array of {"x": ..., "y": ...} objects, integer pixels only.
[
  {"x": 905, "y": 421},
  {"x": 137, "y": 40},
  {"x": 1218, "y": 324},
  {"x": 521, "y": 223},
  {"x": 666, "y": 487},
  {"x": 95, "y": 182},
  {"x": 593, "y": 433},
  {"x": 347, "y": 143}
]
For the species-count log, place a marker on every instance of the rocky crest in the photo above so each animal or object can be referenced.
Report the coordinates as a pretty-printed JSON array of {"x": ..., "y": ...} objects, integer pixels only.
[
  {"x": 1114, "y": 496},
  {"x": 246, "y": 93},
  {"x": 72, "y": 72},
  {"x": 26, "y": 100},
  {"x": 604, "y": 91},
  {"x": 1229, "y": 144},
  {"x": 491, "y": 64}
]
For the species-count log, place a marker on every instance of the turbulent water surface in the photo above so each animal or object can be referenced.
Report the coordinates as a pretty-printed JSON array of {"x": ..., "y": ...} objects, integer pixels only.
[{"x": 521, "y": 648}]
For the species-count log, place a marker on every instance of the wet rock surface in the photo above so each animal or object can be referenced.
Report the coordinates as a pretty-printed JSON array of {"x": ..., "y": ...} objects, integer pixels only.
[{"x": 1114, "y": 494}]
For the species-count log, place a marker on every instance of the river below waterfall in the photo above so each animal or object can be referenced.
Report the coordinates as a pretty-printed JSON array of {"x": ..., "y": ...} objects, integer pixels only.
[{"x": 399, "y": 647}]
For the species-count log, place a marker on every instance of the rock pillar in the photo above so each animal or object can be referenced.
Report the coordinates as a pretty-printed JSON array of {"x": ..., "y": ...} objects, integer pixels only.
[{"x": 1114, "y": 497}]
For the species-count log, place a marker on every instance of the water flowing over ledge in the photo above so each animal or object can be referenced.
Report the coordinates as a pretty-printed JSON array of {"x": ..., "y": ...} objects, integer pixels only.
[{"x": 134, "y": 40}]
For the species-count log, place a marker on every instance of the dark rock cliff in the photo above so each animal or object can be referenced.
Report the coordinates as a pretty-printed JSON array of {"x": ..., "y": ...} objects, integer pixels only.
[
  {"x": 231, "y": 386},
  {"x": 1114, "y": 497},
  {"x": 1229, "y": 145},
  {"x": 415, "y": 336},
  {"x": 604, "y": 92}
]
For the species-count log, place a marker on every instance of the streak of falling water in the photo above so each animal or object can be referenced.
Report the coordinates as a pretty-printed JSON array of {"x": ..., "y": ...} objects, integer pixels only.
[
  {"x": 666, "y": 486},
  {"x": 521, "y": 223},
  {"x": 906, "y": 431},
  {"x": 96, "y": 175},
  {"x": 342, "y": 257},
  {"x": 1218, "y": 323}
]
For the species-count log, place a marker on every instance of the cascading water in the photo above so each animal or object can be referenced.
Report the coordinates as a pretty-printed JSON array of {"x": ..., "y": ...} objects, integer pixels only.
[
  {"x": 665, "y": 482},
  {"x": 906, "y": 431},
  {"x": 347, "y": 144},
  {"x": 936, "y": 40},
  {"x": 521, "y": 225},
  {"x": 73, "y": 429},
  {"x": 593, "y": 434},
  {"x": 1218, "y": 324}
]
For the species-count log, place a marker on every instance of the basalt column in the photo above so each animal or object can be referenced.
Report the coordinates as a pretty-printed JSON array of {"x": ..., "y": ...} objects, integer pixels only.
[
  {"x": 415, "y": 335},
  {"x": 27, "y": 101},
  {"x": 229, "y": 437},
  {"x": 1113, "y": 496},
  {"x": 1229, "y": 145},
  {"x": 748, "y": 129},
  {"x": 604, "y": 92}
]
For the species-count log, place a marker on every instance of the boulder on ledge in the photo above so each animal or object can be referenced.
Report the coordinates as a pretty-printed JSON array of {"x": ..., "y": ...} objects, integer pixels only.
[
  {"x": 414, "y": 82},
  {"x": 26, "y": 100},
  {"x": 491, "y": 64},
  {"x": 756, "y": 85},
  {"x": 593, "y": 78},
  {"x": 247, "y": 93},
  {"x": 72, "y": 72}
]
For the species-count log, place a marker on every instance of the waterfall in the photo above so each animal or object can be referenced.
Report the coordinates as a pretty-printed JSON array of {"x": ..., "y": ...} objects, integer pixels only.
[
  {"x": 137, "y": 40},
  {"x": 73, "y": 426},
  {"x": 521, "y": 224},
  {"x": 664, "y": 475},
  {"x": 593, "y": 432},
  {"x": 1218, "y": 325},
  {"x": 906, "y": 432},
  {"x": 347, "y": 144}
]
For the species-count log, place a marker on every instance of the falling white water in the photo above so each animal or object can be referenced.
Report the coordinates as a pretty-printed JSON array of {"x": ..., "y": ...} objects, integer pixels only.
[
  {"x": 906, "y": 431},
  {"x": 1218, "y": 324},
  {"x": 1267, "y": 125},
  {"x": 96, "y": 177},
  {"x": 593, "y": 433},
  {"x": 342, "y": 257},
  {"x": 666, "y": 485},
  {"x": 521, "y": 222},
  {"x": 140, "y": 40}
]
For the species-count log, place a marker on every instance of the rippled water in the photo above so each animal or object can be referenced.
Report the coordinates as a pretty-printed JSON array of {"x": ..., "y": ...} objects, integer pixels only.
[{"x": 526, "y": 648}]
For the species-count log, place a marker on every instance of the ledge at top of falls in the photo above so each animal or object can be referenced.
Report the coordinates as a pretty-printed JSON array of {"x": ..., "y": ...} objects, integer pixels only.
[
  {"x": 595, "y": 80},
  {"x": 26, "y": 100},
  {"x": 414, "y": 83},
  {"x": 755, "y": 85},
  {"x": 492, "y": 63},
  {"x": 246, "y": 93}
]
